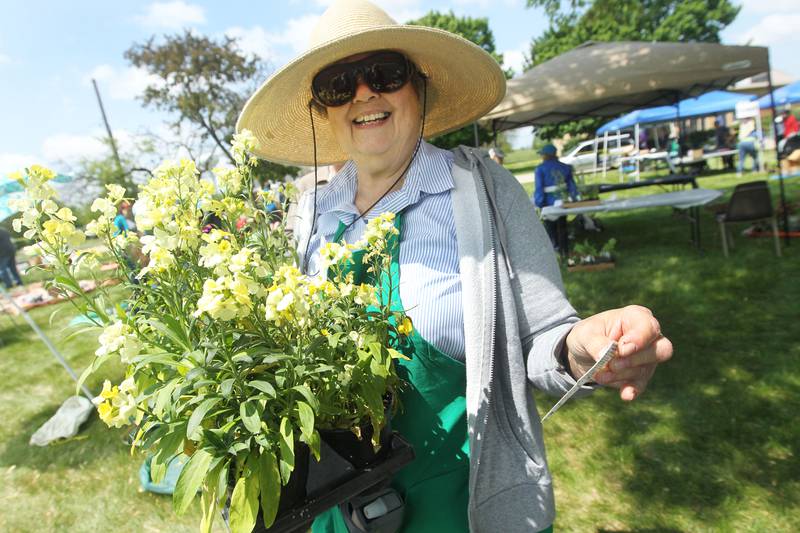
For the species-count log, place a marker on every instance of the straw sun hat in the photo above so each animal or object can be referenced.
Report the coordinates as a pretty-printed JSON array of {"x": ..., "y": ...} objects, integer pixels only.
[{"x": 463, "y": 81}]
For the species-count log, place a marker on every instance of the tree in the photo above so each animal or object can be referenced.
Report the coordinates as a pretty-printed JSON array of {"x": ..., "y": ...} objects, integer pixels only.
[
  {"x": 575, "y": 22},
  {"x": 476, "y": 30},
  {"x": 205, "y": 83}
]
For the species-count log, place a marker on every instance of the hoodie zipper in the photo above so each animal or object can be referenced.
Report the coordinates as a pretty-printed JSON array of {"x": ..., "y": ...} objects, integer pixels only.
[{"x": 493, "y": 297}]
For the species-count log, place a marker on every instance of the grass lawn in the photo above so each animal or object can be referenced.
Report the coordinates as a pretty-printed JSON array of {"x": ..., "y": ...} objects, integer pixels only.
[{"x": 711, "y": 446}]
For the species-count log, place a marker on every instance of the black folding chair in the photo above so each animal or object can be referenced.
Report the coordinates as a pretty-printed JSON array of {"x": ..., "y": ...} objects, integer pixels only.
[{"x": 749, "y": 202}]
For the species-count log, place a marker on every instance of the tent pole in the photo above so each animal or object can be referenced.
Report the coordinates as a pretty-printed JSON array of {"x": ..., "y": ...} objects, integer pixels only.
[
  {"x": 636, "y": 132},
  {"x": 47, "y": 342},
  {"x": 777, "y": 152},
  {"x": 619, "y": 155},
  {"x": 680, "y": 130}
]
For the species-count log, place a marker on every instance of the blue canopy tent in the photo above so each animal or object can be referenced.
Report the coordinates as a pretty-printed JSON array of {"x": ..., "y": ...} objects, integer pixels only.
[
  {"x": 11, "y": 188},
  {"x": 709, "y": 103},
  {"x": 788, "y": 94}
]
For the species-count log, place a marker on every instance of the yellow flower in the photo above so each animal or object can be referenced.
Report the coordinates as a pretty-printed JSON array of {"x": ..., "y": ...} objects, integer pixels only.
[
  {"x": 106, "y": 413},
  {"x": 243, "y": 144},
  {"x": 405, "y": 327},
  {"x": 105, "y": 206},
  {"x": 230, "y": 180},
  {"x": 115, "y": 193}
]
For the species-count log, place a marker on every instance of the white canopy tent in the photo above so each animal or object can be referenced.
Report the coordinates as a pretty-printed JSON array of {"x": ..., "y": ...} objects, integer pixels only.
[{"x": 608, "y": 79}]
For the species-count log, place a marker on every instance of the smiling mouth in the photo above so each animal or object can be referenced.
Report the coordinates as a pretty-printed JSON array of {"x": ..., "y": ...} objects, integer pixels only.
[{"x": 372, "y": 118}]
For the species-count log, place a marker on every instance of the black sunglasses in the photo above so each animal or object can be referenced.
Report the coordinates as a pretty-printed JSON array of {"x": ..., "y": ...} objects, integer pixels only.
[{"x": 383, "y": 72}]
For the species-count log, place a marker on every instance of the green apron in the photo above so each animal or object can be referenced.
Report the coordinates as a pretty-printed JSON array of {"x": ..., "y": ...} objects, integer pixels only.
[{"x": 433, "y": 419}]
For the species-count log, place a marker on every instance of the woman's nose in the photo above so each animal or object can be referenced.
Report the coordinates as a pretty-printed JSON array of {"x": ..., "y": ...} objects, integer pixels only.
[{"x": 363, "y": 91}]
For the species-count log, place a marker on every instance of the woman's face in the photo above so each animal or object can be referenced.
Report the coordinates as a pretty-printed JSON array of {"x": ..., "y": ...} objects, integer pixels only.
[{"x": 377, "y": 125}]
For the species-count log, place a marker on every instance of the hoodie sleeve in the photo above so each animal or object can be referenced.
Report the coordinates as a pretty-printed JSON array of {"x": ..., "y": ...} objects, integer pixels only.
[{"x": 544, "y": 315}]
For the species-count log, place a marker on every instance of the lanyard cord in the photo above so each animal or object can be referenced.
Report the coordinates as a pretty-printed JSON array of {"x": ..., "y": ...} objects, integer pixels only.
[{"x": 369, "y": 209}]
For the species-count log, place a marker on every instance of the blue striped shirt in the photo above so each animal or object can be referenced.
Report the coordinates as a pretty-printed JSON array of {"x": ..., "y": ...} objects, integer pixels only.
[{"x": 430, "y": 285}]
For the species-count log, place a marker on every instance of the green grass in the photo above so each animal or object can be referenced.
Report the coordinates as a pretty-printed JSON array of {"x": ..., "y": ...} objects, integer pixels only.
[
  {"x": 87, "y": 484},
  {"x": 711, "y": 446}
]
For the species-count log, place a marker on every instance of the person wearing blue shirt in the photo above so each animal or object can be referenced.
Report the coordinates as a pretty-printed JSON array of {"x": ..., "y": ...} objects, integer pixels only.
[{"x": 550, "y": 176}]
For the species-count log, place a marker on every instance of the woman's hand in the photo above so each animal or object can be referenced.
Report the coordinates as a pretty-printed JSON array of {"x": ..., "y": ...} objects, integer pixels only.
[{"x": 641, "y": 348}]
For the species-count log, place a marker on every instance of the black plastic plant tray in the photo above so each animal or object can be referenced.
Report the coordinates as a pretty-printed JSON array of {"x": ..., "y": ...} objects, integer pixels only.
[{"x": 344, "y": 486}]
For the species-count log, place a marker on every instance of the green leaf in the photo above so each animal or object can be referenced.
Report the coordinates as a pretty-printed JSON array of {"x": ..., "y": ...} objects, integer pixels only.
[
  {"x": 272, "y": 358},
  {"x": 173, "y": 335},
  {"x": 270, "y": 487},
  {"x": 190, "y": 480},
  {"x": 314, "y": 444},
  {"x": 242, "y": 357},
  {"x": 244, "y": 500},
  {"x": 286, "y": 464},
  {"x": 80, "y": 331},
  {"x": 264, "y": 387},
  {"x": 306, "y": 415},
  {"x": 163, "y": 397},
  {"x": 250, "y": 416},
  {"x": 198, "y": 415},
  {"x": 308, "y": 395},
  {"x": 226, "y": 387},
  {"x": 167, "y": 448},
  {"x": 211, "y": 492},
  {"x": 85, "y": 374}
]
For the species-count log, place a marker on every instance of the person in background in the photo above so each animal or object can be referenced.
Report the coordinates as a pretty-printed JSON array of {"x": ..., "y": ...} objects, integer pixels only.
[
  {"x": 121, "y": 220},
  {"x": 306, "y": 183},
  {"x": 722, "y": 134},
  {"x": 551, "y": 175},
  {"x": 747, "y": 145},
  {"x": 497, "y": 155},
  {"x": 8, "y": 260},
  {"x": 790, "y": 124}
]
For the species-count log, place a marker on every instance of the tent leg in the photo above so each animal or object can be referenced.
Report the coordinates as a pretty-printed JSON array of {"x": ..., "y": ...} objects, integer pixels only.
[
  {"x": 47, "y": 342},
  {"x": 777, "y": 152}
]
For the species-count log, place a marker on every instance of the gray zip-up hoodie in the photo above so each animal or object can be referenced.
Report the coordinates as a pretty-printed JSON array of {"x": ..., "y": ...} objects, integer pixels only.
[{"x": 516, "y": 318}]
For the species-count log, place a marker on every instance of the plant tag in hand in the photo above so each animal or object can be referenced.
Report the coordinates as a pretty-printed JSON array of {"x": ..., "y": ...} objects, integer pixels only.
[{"x": 608, "y": 354}]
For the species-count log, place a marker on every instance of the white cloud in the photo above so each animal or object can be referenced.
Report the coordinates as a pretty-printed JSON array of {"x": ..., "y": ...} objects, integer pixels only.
[
  {"x": 277, "y": 47},
  {"x": 14, "y": 162},
  {"x": 774, "y": 29},
  {"x": 4, "y": 59},
  {"x": 172, "y": 15},
  {"x": 255, "y": 40},
  {"x": 515, "y": 58},
  {"x": 71, "y": 148},
  {"x": 400, "y": 10},
  {"x": 124, "y": 84},
  {"x": 770, "y": 6}
]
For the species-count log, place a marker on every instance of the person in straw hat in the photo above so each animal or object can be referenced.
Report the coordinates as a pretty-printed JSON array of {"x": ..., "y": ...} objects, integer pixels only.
[{"x": 474, "y": 267}]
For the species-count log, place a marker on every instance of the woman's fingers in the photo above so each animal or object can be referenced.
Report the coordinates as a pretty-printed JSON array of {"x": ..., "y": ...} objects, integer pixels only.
[{"x": 657, "y": 352}]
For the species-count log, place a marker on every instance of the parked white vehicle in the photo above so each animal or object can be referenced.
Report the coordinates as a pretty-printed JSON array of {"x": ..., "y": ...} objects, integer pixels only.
[{"x": 583, "y": 156}]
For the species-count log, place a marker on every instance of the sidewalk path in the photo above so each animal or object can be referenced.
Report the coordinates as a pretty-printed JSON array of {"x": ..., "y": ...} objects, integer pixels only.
[{"x": 525, "y": 177}]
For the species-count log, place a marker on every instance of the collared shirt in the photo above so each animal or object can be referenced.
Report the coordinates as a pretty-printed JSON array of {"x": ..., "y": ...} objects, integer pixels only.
[
  {"x": 430, "y": 284},
  {"x": 549, "y": 175}
]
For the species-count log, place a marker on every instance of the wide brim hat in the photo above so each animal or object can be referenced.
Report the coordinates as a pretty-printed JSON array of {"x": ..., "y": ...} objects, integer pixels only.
[{"x": 463, "y": 82}]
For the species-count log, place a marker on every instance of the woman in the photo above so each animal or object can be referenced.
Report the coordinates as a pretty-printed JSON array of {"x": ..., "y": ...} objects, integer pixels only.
[{"x": 474, "y": 268}]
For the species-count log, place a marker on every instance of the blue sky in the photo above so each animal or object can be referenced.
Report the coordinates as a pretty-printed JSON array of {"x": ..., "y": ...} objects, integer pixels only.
[{"x": 49, "y": 51}]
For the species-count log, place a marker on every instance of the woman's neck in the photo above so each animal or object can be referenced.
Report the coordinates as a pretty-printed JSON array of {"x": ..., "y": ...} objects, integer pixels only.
[{"x": 377, "y": 178}]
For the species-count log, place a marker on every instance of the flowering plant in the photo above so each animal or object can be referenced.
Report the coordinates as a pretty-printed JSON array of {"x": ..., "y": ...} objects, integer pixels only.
[{"x": 233, "y": 356}]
